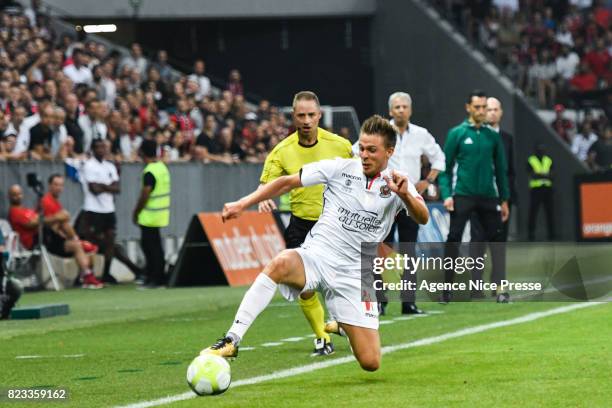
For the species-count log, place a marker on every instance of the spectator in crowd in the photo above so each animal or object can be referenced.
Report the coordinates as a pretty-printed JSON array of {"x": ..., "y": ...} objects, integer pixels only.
[
  {"x": 97, "y": 222},
  {"x": 564, "y": 127},
  {"x": 73, "y": 112},
  {"x": 78, "y": 71},
  {"x": 202, "y": 80},
  {"x": 584, "y": 80},
  {"x": 25, "y": 222},
  {"x": 92, "y": 124},
  {"x": 162, "y": 66},
  {"x": 235, "y": 83},
  {"x": 134, "y": 61},
  {"x": 583, "y": 141},
  {"x": 41, "y": 135},
  {"x": 599, "y": 157}
]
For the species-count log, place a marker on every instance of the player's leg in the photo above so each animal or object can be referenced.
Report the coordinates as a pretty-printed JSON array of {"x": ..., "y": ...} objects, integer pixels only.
[
  {"x": 315, "y": 314},
  {"x": 286, "y": 268},
  {"x": 309, "y": 302},
  {"x": 365, "y": 343},
  {"x": 87, "y": 278}
]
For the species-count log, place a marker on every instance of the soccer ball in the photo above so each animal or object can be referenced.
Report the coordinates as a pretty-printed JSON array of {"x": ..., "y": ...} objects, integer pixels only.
[{"x": 209, "y": 374}]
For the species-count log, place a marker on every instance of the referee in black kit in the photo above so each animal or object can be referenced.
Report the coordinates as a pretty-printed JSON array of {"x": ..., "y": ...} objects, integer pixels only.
[{"x": 479, "y": 182}]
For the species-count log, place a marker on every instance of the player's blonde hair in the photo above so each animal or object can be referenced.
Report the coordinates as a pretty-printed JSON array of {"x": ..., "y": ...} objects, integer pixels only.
[
  {"x": 305, "y": 96},
  {"x": 377, "y": 125}
]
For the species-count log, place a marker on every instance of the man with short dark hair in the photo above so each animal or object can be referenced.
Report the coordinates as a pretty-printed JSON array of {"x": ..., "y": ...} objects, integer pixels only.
[
  {"x": 41, "y": 135},
  {"x": 97, "y": 222},
  {"x": 479, "y": 182},
  {"x": 152, "y": 212}
]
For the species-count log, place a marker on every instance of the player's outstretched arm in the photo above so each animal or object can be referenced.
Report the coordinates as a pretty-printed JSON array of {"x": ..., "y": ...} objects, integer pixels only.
[
  {"x": 398, "y": 183},
  {"x": 265, "y": 192}
]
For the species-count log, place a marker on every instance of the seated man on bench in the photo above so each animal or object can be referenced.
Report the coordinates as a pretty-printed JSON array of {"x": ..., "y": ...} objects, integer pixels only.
[{"x": 57, "y": 235}]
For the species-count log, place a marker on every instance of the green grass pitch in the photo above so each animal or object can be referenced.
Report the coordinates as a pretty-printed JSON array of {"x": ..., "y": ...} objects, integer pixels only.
[{"x": 121, "y": 346}]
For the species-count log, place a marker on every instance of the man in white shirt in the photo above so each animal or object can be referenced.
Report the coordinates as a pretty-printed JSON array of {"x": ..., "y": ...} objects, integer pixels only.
[
  {"x": 202, "y": 80},
  {"x": 78, "y": 71},
  {"x": 91, "y": 124},
  {"x": 361, "y": 198},
  {"x": 583, "y": 141},
  {"x": 97, "y": 221},
  {"x": 411, "y": 143},
  {"x": 566, "y": 63}
]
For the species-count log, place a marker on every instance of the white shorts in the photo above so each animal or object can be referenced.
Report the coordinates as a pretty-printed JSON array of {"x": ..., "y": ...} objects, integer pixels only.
[{"x": 340, "y": 286}]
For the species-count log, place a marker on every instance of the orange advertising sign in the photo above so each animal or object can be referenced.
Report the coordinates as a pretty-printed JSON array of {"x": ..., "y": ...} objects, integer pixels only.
[
  {"x": 596, "y": 214},
  {"x": 243, "y": 246}
]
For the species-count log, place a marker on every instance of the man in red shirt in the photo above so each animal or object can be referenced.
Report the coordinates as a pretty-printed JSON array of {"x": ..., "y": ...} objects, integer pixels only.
[
  {"x": 25, "y": 222},
  {"x": 584, "y": 80}
]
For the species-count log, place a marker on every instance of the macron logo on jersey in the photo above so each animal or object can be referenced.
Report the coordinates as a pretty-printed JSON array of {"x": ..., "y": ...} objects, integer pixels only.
[{"x": 357, "y": 178}]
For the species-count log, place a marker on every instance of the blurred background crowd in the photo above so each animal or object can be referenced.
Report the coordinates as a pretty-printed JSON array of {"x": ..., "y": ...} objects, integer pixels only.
[{"x": 57, "y": 94}]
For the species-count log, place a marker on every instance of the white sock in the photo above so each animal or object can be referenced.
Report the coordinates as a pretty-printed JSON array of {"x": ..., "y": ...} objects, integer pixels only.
[{"x": 253, "y": 303}]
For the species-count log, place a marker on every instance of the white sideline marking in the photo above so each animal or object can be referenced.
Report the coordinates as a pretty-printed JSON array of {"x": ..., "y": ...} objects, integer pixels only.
[
  {"x": 292, "y": 339},
  {"x": 290, "y": 372},
  {"x": 271, "y": 344},
  {"x": 247, "y": 348},
  {"x": 386, "y": 322},
  {"x": 62, "y": 356}
]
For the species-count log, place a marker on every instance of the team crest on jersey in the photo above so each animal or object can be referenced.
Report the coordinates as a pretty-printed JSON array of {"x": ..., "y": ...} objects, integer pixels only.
[{"x": 385, "y": 191}]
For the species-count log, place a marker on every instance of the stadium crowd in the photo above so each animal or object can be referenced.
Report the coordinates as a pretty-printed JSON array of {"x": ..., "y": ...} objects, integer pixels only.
[
  {"x": 58, "y": 94},
  {"x": 557, "y": 51}
]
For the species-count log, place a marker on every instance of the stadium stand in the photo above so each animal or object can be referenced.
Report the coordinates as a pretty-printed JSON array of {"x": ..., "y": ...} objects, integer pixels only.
[
  {"x": 558, "y": 53},
  {"x": 93, "y": 91}
]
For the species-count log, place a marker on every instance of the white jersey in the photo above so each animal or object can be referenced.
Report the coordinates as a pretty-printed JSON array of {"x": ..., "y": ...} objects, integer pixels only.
[
  {"x": 104, "y": 172},
  {"x": 356, "y": 209}
]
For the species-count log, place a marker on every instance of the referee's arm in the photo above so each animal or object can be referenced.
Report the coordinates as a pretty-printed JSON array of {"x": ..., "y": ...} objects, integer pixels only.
[{"x": 271, "y": 171}]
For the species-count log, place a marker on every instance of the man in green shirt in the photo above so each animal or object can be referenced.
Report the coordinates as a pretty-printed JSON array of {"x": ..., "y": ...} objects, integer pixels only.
[{"x": 475, "y": 180}]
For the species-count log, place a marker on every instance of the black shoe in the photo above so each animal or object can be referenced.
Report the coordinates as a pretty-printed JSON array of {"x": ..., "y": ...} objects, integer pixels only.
[
  {"x": 410, "y": 308},
  {"x": 109, "y": 279},
  {"x": 382, "y": 308},
  {"x": 445, "y": 297},
  {"x": 151, "y": 285},
  {"x": 322, "y": 348},
  {"x": 477, "y": 294},
  {"x": 503, "y": 298}
]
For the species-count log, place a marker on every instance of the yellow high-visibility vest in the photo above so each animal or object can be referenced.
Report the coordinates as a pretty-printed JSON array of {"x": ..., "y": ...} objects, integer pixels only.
[
  {"x": 156, "y": 212},
  {"x": 540, "y": 168}
]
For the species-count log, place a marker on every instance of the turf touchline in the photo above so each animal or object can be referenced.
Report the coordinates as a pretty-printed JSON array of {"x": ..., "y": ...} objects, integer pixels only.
[{"x": 290, "y": 372}]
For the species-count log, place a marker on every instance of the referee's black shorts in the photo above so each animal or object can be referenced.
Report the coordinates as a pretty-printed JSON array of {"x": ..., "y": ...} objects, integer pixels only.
[{"x": 296, "y": 231}]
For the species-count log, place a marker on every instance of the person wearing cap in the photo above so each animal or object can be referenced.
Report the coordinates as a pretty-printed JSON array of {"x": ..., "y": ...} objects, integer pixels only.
[
  {"x": 309, "y": 143},
  {"x": 152, "y": 212},
  {"x": 564, "y": 127}
]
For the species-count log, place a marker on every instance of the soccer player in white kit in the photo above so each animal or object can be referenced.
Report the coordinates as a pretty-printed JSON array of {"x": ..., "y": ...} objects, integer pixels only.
[{"x": 361, "y": 200}]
